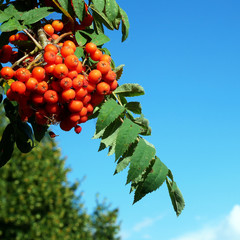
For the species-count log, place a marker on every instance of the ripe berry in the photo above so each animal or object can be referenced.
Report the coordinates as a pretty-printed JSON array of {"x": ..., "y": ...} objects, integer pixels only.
[
  {"x": 18, "y": 87},
  {"x": 60, "y": 71},
  {"x": 50, "y": 47},
  {"x": 81, "y": 93},
  {"x": 95, "y": 76},
  {"x": 57, "y": 25},
  {"x": 96, "y": 55},
  {"x": 71, "y": 44},
  {"x": 12, "y": 38},
  {"x": 90, "y": 48},
  {"x": 106, "y": 58},
  {"x": 38, "y": 73},
  {"x": 49, "y": 29},
  {"x": 71, "y": 61},
  {"x": 75, "y": 106},
  {"x": 110, "y": 76},
  {"x": 49, "y": 57},
  {"x": 31, "y": 84},
  {"x": 78, "y": 81},
  {"x": 42, "y": 87},
  {"x": 77, "y": 129},
  {"x": 66, "y": 51},
  {"x": 58, "y": 59},
  {"x": 37, "y": 99},
  {"x": 21, "y": 36},
  {"x": 22, "y": 74},
  {"x": 113, "y": 85},
  {"x": 66, "y": 83},
  {"x": 103, "y": 88},
  {"x": 68, "y": 95},
  {"x": 52, "y": 108},
  {"x": 7, "y": 72},
  {"x": 51, "y": 96},
  {"x": 103, "y": 67}
]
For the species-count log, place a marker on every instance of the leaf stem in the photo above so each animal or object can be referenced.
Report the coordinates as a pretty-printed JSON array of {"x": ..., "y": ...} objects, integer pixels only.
[{"x": 33, "y": 39}]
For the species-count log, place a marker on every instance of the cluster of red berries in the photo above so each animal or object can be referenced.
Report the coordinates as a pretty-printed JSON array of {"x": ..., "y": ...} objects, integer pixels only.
[{"x": 61, "y": 89}]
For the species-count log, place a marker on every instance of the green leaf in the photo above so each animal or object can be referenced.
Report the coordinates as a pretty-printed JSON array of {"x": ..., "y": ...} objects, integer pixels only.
[
  {"x": 153, "y": 181},
  {"x": 4, "y": 17},
  {"x": 128, "y": 134},
  {"x": 99, "y": 4},
  {"x": 10, "y": 25},
  {"x": 7, "y": 144},
  {"x": 1, "y": 98},
  {"x": 101, "y": 17},
  {"x": 140, "y": 160},
  {"x": 100, "y": 39},
  {"x": 134, "y": 107},
  {"x": 79, "y": 9},
  {"x": 119, "y": 70},
  {"x": 111, "y": 133},
  {"x": 79, "y": 52},
  {"x": 144, "y": 123},
  {"x": 130, "y": 90},
  {"x": 13, "y": 12},
  {"x": 98, "y": 26},
  {"x": 81, "y": 40},
  {"x": 111, "y": 9},
  {"x": 24, "y": 137},
  {"x": 64, "y": 4},
  {"x": 39, "y": 130},
  {"x": 35, "y": 15},
  {"x": 125, "y": 25},
  {"x": 109, "y": 112},
  {"x": 11, "y": 110},
  {"x": 176, "y": 197}
]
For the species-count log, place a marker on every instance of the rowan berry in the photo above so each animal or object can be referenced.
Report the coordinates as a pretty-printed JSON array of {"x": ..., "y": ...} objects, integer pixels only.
[
  {"x": 66, "y": 83},
  {"x": 52, "y": 108},
  {"x": 81, "y": 93},
  {"x": 75, "y": 106},
  {"x": 7, "y": 72},
  {"x": 72, "y": 74},
  {"x": 90, "y": 48},
  {"x": 83, "y": 112},
  {"x": 57, "y": 25},
  {"x": 106, "y": 58},
  {"x": 31, "y": 84},
  {"x": 22, "y": 74},
  {"x": 58, "y": 59},
  {"x": 38, "y": 73},
  {"x": 49, "y": 57},
  {"x": 77, "y": 129},
  {"x": 48, "y": 28},
  {"x": 110, "y": 76},
  {"x": 37, "y": 99},
  {"x": 21, "y": 36},
  {"x": 113, "y": 85},
  {"x": 60, "y": 71},
  {"x": 96, "y": 55},
  {"x": 71, "y": 44},
  {"x": 78, "y": 81},
  {"x": 18, "y": 87},
  {"x": 68, "y": 95},
  {"x": 96, "y": 99},
  {"x": 95, "y": 76},
  {"x": 83, "y": 119},
  {"x": 50, "y": 47},
  {"x": 66, "y": 51},
  {"x": 42, "y": 87},
  {"x": 50, "y": 96},
  {"x": 49, "y": 68},
  {"x": 103, "y": 88},
  {"x": 71, "y": 61},
  {"x": 104, "y": 67},
  {"x": 12, "y": 38}
]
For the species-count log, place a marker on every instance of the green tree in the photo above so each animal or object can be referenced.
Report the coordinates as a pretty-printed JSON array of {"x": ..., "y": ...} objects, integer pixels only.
[{"x": 38, "y": 202}]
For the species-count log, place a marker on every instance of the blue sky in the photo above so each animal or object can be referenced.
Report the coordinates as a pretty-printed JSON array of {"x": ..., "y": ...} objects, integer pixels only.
[{"x": 186, "y": 56}]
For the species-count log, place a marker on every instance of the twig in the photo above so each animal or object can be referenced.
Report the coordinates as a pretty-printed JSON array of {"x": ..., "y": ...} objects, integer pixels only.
[
  {"x": 33, "y": 39},
  {"x": 62, "y": 36}
]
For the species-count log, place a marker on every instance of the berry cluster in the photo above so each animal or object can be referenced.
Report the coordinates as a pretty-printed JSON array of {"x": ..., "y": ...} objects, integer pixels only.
[{"x": 59, "y": 88}]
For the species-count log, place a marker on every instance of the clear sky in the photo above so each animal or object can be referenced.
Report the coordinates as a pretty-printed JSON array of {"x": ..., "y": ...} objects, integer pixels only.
[{"x": 186, "y": 55}]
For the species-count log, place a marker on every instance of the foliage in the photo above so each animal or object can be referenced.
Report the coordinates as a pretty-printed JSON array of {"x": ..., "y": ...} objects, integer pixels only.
[
  {"x": 37, "y": 201},
  {"x": 120, "y": 125}
]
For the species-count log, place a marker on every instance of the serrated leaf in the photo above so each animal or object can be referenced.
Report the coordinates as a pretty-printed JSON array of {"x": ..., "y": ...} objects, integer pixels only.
[
  {"x": 38, "y": 130},
  {"x": 155, "y": 178},
  {"x": 81, "y": 40},
  {"x": 64, "y": 3},
  {"x": 79, "y": 52},
  {"x": 7, "y": 144},
  {"x": 98, "y": 26},
  {"x": 119, "y": 70},
  {"x": 130, "y": 90},
  {"x": 111, "y": 9},
  {"x": 12, "y": 12},
  {"x": 10, "y": 25},
  {"x": 125, "y": 25},
  {"x": 35, "y": 15},
  {"x": 78, "y": 7},
  {"x": 127, "y": 134},
  {"x": 110, "y": 133},
  {"x": 134, "y": 107},
  {"x": 146, "y": 129},
  {"x": 100, "y": 16},
  {"x": 99, "y": 4},
  {"x": 116, "y": 23},
  {"x": 176, "y": 197},
  {"x": 140, "y": 160},
  {"x": 11, "y": 109},
  {"x": 109, "y": 111},
  {"x": 4, "y": 17},
  {"x": 100, "y": 39}
]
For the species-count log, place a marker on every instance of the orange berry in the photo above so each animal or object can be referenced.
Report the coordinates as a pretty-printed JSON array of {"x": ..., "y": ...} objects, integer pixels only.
[
  {"x": 50, "y": 96},
  {"x": 31, "y": 84},
  {"x": 18, "y": 87},
  {"x": 60, "y": 71},
  {"x": 48, "y": 28},
  {"x": 51, "y": 47},
  {"x": 75, "y": 106},
  {"x": 103, "y": 66},
  {"x": 66, "y": 51},
  {"x": 71, "y": 44},
  {"x": 7, "y": 72},
  {"x": 68, "y": 95},
  {"x": 95, "y": 76},
  {"x": 57, "y": 25},
  {"x": 71, "y": 61},
  {"x": 22, "y": 74},
  {"x": 38, "y": 73},
  {"x": 96, "y": 55},
  {"x": 90, "y": 48},
  {"x": 103, "y": 88}
]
